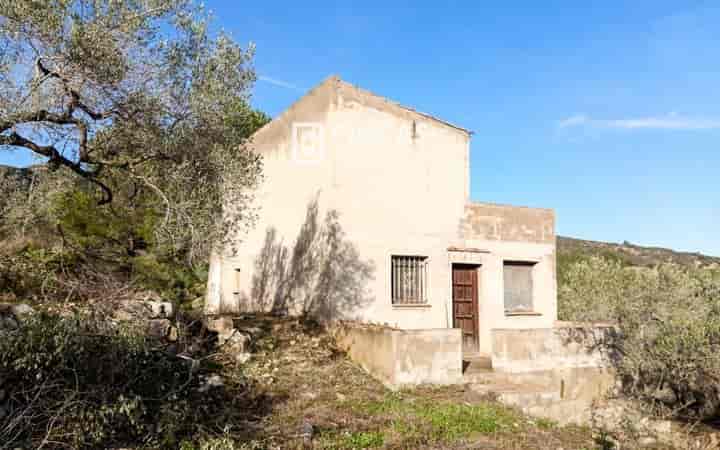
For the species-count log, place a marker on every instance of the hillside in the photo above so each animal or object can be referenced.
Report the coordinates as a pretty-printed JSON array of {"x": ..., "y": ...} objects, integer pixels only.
[
  {"x": 14, "y": 173},
  {"x": 631, "y": 254}
]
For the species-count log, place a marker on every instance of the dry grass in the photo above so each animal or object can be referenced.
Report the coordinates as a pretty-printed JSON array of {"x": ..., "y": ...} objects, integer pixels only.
[{"x": 316, "y": 390}]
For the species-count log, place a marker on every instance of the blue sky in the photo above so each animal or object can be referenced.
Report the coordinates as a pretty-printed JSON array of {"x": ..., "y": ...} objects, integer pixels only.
[{"x": 607, "y": 111}]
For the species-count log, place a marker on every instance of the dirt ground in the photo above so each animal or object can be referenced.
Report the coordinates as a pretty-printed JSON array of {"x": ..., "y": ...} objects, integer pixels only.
[{"x": 314, "y": 397}]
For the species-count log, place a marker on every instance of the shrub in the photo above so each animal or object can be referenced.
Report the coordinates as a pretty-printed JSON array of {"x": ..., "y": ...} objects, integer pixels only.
[
  {"x": 668, "y": 318},
  {"x": 83, "y": 382},
  {"x": 32, "y": 273}
]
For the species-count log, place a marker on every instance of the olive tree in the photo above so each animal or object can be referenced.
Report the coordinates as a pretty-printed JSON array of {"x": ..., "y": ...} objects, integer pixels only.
[
  {"x": 668, "y": 321},
  {"x": 141, "y": 101}
]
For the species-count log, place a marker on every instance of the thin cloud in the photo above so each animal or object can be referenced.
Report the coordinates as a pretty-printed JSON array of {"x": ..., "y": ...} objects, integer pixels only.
[
  {"x": 669, "y": 122},
  {"x": 573, "y": 121},
  {"x": 280, "y": 83}
]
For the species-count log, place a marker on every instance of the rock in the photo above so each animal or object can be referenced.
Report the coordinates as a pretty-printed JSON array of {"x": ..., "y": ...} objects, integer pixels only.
[
  {"x": 212, "y": 382},
  {"x": 307, "y": 431},
  {"x": 148, "y": 296},
  {"x": 8, "y": 323},
  {"x": 340, "y": 397},
  {"x": 660, "y": 426},
  {"x": 172, "y": 335},
  {"x": 242, "y": 358},
  {"x": 220, "y": 324},
  {"x": 236, "y": 342},
  {"x": 21, "y": 309},
  {"x": 647, "y": 441},
  {"x": 142, "y": 310},
  {"x": 159, "y": 328},
  {"x": 666, "y": 396},
  {"x": 132, "y": 310},
  {"x": 160, "y": 309},
  {"x": 11, "y": 314},
  {"x": 252, "y": 331}
]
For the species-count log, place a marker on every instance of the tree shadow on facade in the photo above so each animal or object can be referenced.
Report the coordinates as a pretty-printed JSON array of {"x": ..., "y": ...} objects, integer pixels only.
[{"x": 322, "y": 276}]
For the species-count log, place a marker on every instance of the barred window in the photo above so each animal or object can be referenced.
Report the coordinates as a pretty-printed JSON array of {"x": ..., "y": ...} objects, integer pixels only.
[
  {"x": 518, "y": 282},
  {"x": 409, "y": 280}
]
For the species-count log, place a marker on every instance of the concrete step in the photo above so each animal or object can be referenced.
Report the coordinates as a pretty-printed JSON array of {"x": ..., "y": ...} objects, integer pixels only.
[
  {"x": 476, "y": 363},
  {"x": 487, "y": 376},
  {"x": 523, "y": 396}
]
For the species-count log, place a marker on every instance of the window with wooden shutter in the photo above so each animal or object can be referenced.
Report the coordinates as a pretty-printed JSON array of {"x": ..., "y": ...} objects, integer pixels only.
[
  {"x": 409, "y": 280},
  {"x": 518, "y": 280}
]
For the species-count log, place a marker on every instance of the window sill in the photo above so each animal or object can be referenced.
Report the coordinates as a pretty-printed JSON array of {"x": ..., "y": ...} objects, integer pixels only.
[
  {"x": 411, "y": 306},
  {"x": 522, "y": 313}
]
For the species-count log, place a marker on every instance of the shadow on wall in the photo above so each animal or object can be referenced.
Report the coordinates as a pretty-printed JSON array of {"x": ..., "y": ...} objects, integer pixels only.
[{"x": 322, "y": 276}]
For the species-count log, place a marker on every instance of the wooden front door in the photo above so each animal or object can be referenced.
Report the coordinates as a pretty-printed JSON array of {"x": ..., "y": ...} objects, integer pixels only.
[{"x": 465, "y": 304}]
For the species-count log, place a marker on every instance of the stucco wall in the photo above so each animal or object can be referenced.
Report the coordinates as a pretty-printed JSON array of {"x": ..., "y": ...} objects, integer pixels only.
[
  {"x": 566, "y": 347},
  {"x": 389, "y": 181},
  {"x": 398, "y": 181},
  {"x": 404, "y": 357},
  {"x": 493, "y": 222},
  {"x": 499, "y": 233}
]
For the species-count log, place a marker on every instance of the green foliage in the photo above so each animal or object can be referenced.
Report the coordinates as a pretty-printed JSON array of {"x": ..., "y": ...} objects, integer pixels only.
[
  {"x": 118, "y": 241},
  {"x": 566, "y": 259},
  {"x": 96, "y": 228},
  {"x": 31, "y": 272},
  {"x": 146, "y": 105},
  {"x": 667, "y": 348},
  {"x": 364, "y": 439},
  {"x": 425, "y": 421},
  {"x": 85, "y": 382},
  {"x": 171, "y": 280},
  {"x": 220, "y": 443}
]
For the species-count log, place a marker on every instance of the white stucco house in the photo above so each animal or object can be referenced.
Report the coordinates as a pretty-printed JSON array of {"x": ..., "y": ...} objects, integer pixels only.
[{"x": 365, "y": 214}]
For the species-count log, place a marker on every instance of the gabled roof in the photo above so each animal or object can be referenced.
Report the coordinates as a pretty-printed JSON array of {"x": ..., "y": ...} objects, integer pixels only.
[
  {"x": 391, "y": 103},
  {"x": 346, "y": 89}
]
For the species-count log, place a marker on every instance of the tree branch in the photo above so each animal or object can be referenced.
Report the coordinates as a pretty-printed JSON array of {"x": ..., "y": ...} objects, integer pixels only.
[{"x": 56, "y": 158}]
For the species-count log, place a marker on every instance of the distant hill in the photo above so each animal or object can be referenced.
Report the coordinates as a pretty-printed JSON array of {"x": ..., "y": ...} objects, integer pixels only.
[
  {"x": 631, "y": 254},
  {"x": 15, "y": 173},
  {"x": 13, "y": 179}
]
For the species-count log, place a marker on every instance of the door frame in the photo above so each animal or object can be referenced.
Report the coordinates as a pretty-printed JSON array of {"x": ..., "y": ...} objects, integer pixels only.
[{"x": 476, "y": 299}]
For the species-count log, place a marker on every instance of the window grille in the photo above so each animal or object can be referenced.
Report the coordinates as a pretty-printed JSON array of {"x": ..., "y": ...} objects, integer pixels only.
[{"x": 409, "y": 280}]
